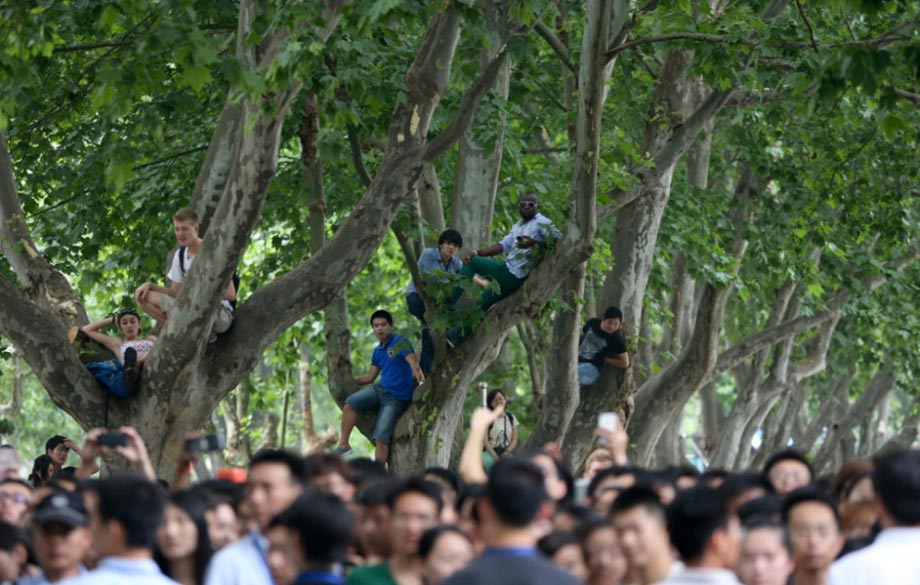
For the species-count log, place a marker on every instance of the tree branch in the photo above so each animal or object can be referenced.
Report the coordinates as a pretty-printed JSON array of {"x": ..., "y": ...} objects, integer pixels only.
[
  {"x": 811, "y": 32},
  {"x": 169, "y": 158},
  {"x": 355, "y": 142},
  {"x": 555, "y": 44}
]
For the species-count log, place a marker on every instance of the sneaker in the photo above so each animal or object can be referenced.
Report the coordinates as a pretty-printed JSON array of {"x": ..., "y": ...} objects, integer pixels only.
[
  {"x": 130, "y": 376},
  {"x": 342, "y": 451}
]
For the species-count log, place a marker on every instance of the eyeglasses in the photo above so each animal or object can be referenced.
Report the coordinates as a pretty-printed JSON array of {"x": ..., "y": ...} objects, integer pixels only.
[
  {"x": 17, "y": 498},
  {"x": 526, "y": 204}
]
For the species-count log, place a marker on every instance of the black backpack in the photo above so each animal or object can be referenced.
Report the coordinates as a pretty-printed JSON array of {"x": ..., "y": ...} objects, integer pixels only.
[{"x": 236, "y": 277}]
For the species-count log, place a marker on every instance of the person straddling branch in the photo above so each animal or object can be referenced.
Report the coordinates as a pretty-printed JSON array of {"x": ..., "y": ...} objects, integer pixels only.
[
  {"x": 601, "y": 345},
  {"x": 157, "y": 301},
  {"x": 120, "y": 375},
  {"x": 533, "y": 231},
  {"x": 390, "y": 397},
  {"x": 431, "y": 261}
]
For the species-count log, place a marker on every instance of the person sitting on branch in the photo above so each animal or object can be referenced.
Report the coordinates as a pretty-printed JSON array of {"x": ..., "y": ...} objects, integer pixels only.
[
  {"x": 121, "y": 374},
  {"x": 601, "y": 345}
]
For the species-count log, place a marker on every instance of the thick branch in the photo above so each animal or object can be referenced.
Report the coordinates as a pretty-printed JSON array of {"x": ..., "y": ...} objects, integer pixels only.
[{"x": 555, "y": 44}]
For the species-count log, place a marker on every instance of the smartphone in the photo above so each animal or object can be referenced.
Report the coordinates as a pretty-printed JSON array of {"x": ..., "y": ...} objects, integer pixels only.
[
  {"x": 581, "y": 491},
  {"x": 113, "y": 439},
  {"x": 607, "y": 421},
  {"x": 205, "y": 444}
]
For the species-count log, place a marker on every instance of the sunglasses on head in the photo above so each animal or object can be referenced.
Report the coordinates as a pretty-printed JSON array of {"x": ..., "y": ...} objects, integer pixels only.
[{"x": 523, "y": 204}]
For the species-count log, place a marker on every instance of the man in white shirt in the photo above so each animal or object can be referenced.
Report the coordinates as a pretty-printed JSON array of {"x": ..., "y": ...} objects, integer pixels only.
[
  {"x": 707, "y": 538},
  {"x": 276, "y": 479},
  {"x": 639, "y": 519},
  {"x": 124, "y": 513},
  {"x": 894, "y": 557},
  {"x": 157, "y": 301}
]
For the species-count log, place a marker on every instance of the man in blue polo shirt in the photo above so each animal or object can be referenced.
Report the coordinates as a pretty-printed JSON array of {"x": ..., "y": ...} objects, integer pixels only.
[{"x": 391, "y": 396}]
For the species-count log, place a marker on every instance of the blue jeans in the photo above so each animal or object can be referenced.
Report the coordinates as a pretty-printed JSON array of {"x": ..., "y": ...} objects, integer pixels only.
[
  {"x": 587, "y": 374},
  {"x": 111, "y": 374},
  {"x": 388, "y": 407},
  {"x": 416, "y": 307}
]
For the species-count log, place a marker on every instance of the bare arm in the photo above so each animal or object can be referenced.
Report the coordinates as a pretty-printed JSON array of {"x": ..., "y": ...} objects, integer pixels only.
[
  {"x": 93, "y": 331},
  {"x": 230, "y": 293},
  {"x": 471, "y": 469},
  {"x": 369, "y": 377},
  {"x": 492, "y": 250},
  {"x": 416, "y": 370},
  {"x": 620, "y": 361}
]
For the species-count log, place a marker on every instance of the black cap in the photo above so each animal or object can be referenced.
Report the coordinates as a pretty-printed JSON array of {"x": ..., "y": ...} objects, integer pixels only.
[{"x": 63, "y": 507}]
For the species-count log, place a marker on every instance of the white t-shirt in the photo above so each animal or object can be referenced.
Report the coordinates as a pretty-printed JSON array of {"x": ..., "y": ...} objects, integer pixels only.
[
  {"x": 501, "y": 431},
  {"x": 175, "y": 273}
]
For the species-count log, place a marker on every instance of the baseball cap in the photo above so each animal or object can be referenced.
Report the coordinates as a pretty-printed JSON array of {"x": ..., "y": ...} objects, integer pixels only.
[{"x": 64, "y": 507}]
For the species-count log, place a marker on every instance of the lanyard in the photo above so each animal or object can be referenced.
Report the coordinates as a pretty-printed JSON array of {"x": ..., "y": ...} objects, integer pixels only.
[{"x": 254, "y": 539}]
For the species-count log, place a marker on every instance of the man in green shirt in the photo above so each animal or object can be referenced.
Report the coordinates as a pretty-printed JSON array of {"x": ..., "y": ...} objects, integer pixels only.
[{"x": 415, "y": 507}]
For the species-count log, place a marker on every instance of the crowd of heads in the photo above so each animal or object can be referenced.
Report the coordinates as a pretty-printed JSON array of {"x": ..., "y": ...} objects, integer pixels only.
[{"x": 613, "y": 525}]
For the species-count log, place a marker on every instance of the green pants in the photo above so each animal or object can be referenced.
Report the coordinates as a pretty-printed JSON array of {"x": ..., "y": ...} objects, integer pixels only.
[{"x": 495, "y": 270}]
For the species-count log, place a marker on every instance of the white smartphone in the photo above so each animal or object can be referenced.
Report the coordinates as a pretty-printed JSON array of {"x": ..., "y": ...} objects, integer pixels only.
[{"x": 608, "y": 421}]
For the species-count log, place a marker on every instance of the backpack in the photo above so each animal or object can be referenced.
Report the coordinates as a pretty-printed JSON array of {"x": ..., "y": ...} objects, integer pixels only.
[{"x": 236, "y": 277}]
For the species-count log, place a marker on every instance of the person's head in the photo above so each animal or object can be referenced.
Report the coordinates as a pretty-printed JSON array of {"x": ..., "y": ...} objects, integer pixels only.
[
  {"x": 607, "y": 485},
  {"x": 60, "y": 532},
  {"x": 788, "y": 470},
  {"x": 896, "y": 479},
  {"x": 15, "y": 496},
  {"x": 449, "y": 242},
  {"x": 129, "y": 323},
  {"x": 613, "y": 320},
  {"x": 528, "y": 205},
  {"x": 814, "y": 526},
  {"x": 702, "y": 528},
  {"x": 185, "y": 225},
  {"x": 331, "y": 474},
  {"x": 42, "y": 470},
  {"x": 766, "y": 554},
  {"x": 859, "y": 490},
  {"x": 450, "y": 490},
  {"x": 564, "y": 549},
  {"x": 13, "y": 552},
  {"x": 740, "y": 488},
  {"x": 858, "y": 519},
  {"x": 496, "y": 398},
  {"x": 640, "y": 520},
  {"x": 515, "y": 493},
  {"x": 685, "y": 477},
  {"x": 276, "y": 478},
  {"x": 56, "y": 448},
  {"x": 9, "y": 462},
  {"x": 381, "y": 323},
  {"x": 556, "y": 477},
  {"x": 184, "y": 533},
  {"x": 373, "y": 529},
  {"x": 847, "y": 473},
  {"x": 603, "y": 555},
  {"x": 444, "y": 550},
  {"x": 415, "y": 506},
  {"x": 124, "y": 512},
  {"x": 571, "y": 517},
  {"x": 769, "y": 507},
  {"x": 315, "y": 533}
]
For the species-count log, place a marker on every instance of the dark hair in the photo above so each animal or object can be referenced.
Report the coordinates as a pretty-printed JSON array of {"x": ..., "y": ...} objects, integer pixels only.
[
  {"x": 713, "y": 473},
  {"x": 367, "y": 471},
  {"x": 195, "y": 503},
  {"x": 787, "y": 455},
  {"x": 39, "y": 474},
  {"x": 381, "y": 314},
  {"x": 377, "y": 494},
  {"x": 808, "y": 494},
  {"x": 323, "y": 524},
  {"x": 16, "y": 481},
  {"x": 134, "y": 502},
  {"x": 581, "y": 514},
  {"x": 562, "y": 470},
  {"x": 10, "y": 536},
  {"x": 450, "y": 477},
  {"x": 52, "y": 443},
  {"x": 325, "y": 463},
  {"x": 613, "y": 313},
  {"x": 694, "y": 516},
  {"x": 603, "y": 474},
  {"x": 516, "y": 491},
  {"x": 451, "y": 236},
  {"x": 736, "y": 484},
  {"x": 853, "y": 481},
  {"x": 430, "y": 538},
  {"x": 555, "y": 541},
  {"x": 471, "y": 492},
  {"x": 69, "y": 472},
  {"x": 897, "y": 482},
  {"x": 766, "y": 524},
  {"x": 294, "y": 463},
  {"x": 638, "y": 497},
  {"x": 769, "y": 507},
  {"x": 416, "y": 485},
  {"x": 124, "y": 312},
  {"x": 491, "y": 396}
]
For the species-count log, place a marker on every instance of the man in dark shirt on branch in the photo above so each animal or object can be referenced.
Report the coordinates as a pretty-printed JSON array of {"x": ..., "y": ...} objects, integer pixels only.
[{"x": 601, "y": 344}]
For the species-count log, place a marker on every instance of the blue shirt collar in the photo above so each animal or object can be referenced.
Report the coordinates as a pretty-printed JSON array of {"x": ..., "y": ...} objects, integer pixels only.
[{"x": 319, "y": 577}]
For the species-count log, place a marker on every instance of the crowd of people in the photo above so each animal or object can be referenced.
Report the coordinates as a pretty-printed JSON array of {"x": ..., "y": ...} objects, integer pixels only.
[{"x": 322, "y": 519}]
